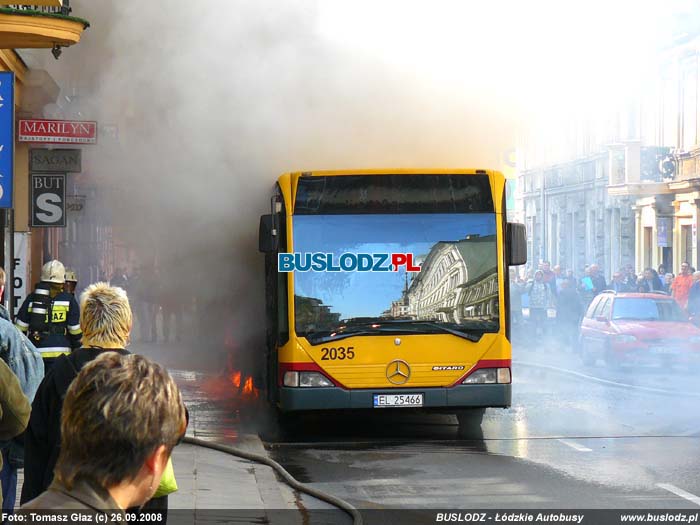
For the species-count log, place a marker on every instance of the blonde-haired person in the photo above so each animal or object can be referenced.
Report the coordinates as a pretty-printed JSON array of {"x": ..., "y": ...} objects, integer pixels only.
[
  {"x": 106, "y": 320},
  {"x": 115, "y": 462}
]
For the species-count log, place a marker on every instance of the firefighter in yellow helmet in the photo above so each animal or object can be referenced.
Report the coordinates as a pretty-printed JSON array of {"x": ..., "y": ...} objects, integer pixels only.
[
  {"x": 71, "y": 282},
  {"x": 49, "y": 316}
]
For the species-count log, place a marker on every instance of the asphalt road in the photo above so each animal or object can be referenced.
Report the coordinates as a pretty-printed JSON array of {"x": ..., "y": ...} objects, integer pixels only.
[{"x": 575, "y": 437}]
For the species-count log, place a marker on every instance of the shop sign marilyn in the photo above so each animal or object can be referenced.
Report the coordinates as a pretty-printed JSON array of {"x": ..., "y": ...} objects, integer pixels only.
[{"x": 58, "y": 131}]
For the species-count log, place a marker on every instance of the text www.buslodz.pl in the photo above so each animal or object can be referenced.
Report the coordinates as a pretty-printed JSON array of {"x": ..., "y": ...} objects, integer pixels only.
[{"x": 346, "y": 262}]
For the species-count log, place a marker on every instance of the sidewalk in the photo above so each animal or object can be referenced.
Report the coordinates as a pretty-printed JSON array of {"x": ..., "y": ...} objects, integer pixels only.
[
  {"x": 214, "y": 486},
  {"x": 210, "y": 480}
]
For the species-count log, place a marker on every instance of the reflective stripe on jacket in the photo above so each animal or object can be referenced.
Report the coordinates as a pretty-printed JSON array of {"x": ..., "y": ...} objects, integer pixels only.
[{"x": 52, "y": 325}]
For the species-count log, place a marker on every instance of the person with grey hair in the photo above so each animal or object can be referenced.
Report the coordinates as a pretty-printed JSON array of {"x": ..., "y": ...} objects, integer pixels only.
[
  {"x": 122, "y": 417},
  {"x": 694, "y": 296},
  {"x": 668, "y": 281},
  {"x": 618, "y": 283},
  {"x": 106, "y": 321}
]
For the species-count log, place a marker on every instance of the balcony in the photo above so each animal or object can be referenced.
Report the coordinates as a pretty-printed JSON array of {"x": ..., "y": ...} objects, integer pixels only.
[{"x": 39, "y": 24}]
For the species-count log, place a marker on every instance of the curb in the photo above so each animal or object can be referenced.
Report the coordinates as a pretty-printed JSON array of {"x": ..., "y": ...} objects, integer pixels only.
[{"x": 269, "y": 486}]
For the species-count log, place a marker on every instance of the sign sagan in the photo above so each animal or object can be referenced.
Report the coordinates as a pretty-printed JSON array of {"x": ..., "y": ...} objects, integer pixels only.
[{"x": 55, "y": 160}]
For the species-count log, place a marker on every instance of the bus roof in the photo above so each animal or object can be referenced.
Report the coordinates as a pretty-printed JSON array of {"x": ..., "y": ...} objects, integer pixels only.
[{"x": 396, "y": 171}]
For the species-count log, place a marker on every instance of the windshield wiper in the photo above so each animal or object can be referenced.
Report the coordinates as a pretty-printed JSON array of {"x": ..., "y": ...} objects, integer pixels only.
[
  {"x": 392, "y": 326},
  {"x": 472, "y": 336},
  {"x": 316, "y": 339}
]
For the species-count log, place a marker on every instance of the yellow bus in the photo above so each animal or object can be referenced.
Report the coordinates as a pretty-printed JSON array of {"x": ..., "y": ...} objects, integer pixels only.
[{"x": 388, "y": 289}]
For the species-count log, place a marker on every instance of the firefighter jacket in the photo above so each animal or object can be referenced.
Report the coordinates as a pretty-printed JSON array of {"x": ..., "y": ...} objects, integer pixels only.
[{"x": 51, "y": 324}]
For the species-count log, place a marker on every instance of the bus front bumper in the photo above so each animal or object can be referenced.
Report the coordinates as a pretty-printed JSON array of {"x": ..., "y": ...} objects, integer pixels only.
[{"x": 334, "y": 398}]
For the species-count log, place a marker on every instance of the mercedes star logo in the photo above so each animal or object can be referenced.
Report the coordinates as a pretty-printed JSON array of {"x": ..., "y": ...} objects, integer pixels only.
[{"x": 398, "y": 372}]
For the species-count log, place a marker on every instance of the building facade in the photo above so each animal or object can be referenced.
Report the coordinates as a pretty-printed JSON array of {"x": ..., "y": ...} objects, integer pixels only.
[
  {"x": 667, "y": 222},
  {"x": 586, "y": 211},
  {"x": 629, "y": 194},
  {"x": 458, "y": 281},
  {"x": 30, "y": 25}
]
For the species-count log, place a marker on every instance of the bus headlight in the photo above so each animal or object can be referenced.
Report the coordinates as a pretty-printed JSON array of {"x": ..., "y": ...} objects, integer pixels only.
[
  {"x": 490, "y": 376},
  {"x": 306, "y": 379},
  {"x": 313, "y": 379}
]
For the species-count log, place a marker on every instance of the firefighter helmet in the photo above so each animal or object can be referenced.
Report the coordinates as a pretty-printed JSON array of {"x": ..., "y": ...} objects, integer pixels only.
[
  {"x": 70, "y": 276},
  {"x": 53, "y": 272}
]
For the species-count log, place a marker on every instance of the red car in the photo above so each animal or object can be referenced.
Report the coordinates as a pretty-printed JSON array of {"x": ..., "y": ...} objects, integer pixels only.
[{"x": 637, "y": 328}]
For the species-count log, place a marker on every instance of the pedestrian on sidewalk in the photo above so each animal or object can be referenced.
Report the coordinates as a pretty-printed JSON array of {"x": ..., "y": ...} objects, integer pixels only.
[
  {"x": 668, "y": 281},
  {"x": 14, "y": 406},
  {"x": 568, "y": 315},
  {"x": 541, "y": 298},
  {"x": 650, "y": 282},
  {"x": 680, "y": 287},
  {"x": 618, "y": 283},
  {"x": 597, "y": 279},
  {"x": 106, "y": 321},
  {"x": 694, "y": 299},
  {"x": 20, "y": 355},
  {"x": 517, "y": 289},
  {"x": 115, "y": 462}
]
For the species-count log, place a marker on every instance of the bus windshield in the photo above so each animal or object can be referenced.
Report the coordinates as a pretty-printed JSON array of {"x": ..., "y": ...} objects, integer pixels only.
[{"x": 456, "y": 290}]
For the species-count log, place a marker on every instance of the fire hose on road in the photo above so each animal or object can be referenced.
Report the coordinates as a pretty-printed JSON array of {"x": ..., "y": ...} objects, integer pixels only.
[{"x": 286, "y": 476}]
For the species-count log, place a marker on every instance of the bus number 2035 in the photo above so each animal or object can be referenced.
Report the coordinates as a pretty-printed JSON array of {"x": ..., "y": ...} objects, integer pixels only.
[{"x": 340, "y": 353}]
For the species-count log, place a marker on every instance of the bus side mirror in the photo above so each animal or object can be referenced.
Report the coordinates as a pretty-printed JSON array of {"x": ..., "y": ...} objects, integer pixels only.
[
  {"x": 267, "y": 235},
  {"x": 516, "y": 244}
]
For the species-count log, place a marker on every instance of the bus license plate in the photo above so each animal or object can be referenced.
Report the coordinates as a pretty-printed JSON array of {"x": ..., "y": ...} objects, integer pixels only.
[
  {"x": 664, "y": 350},
  {"x": 398, "y": 400}
]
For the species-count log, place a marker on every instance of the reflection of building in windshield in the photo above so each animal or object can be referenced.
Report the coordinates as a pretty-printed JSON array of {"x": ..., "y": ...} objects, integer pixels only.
[
  {"x": 312, "y": 314},
  {"x": 399, "y": 309},
  {"x": 458, "y": 281}
]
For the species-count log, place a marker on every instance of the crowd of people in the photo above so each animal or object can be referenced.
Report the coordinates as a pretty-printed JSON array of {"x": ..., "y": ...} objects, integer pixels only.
[
  {"x": 548, "y": 291},
  {"x": 93, "y": 425}
]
